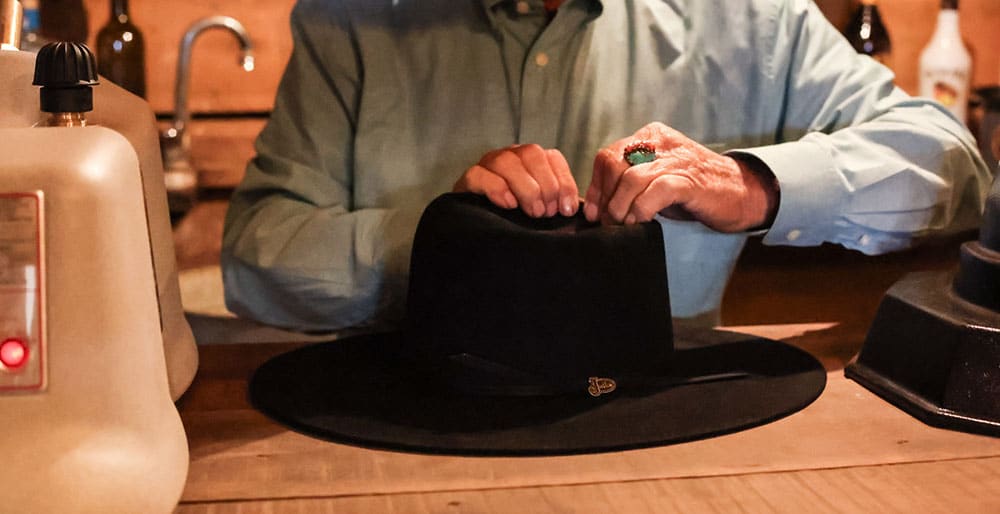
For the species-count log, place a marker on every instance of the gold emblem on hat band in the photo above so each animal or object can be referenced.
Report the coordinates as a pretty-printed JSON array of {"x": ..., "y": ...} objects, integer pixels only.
[{"x": 599, "y": 386}]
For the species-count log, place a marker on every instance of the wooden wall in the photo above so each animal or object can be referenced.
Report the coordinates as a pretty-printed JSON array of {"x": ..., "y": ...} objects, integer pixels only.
[
  {"x": 218, "y": 83},
  {"x": 220, "y": 86},
  {"x": 911, "y": 23}
]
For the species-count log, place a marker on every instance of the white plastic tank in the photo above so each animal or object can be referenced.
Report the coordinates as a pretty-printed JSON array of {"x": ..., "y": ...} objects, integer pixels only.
[{"x": 94, "y": 347}]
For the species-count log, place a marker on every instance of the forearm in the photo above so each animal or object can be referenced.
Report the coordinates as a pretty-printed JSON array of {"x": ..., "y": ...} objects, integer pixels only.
[
  {"x": 293, "y": 263},
  {"x": 876, "y": 186},
  {"x": 860, "y": 163}
]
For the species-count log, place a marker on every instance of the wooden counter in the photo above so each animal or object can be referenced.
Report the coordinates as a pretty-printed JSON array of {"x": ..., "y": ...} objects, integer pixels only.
[{"x": 847, "y": 452}]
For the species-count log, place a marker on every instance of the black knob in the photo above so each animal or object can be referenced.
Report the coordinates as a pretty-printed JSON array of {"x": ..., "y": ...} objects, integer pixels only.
[
  {"x": 989, "y": 233},
  {"x": 978, "y": 278},
  {"x": 66, "y": 72}
]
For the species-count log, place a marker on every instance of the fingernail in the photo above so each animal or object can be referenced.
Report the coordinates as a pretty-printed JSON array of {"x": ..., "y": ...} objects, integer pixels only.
[
  {"x": 630, "y": 219},
  {"x": 590, "y": 210},
  {"x": 538, "y": 210},
  {"x": 551, "y": 208},
  {"x": 509, "y": 198},
  {"x": 567, "y": 206}
]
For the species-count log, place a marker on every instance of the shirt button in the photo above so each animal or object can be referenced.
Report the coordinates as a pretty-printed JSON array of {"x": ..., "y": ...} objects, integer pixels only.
[
  {"x": 523, "y": 7},
  {"x": 793, "y": 234},
  {"x": 541, "y": 59}
]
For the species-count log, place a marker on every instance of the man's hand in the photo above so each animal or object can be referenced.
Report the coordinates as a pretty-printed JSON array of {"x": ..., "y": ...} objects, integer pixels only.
[
  {"x": 536, "y": 179},
  {"x": 686, "y": 181}
]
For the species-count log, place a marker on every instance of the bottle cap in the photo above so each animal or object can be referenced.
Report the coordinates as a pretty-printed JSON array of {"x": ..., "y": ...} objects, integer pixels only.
[{"x": 66, "y": 72}]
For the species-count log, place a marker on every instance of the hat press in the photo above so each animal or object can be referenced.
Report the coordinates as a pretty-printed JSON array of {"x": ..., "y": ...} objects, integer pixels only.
[
  {"x": 934, "y": 347},
  {"x": 93, "y": 343}
]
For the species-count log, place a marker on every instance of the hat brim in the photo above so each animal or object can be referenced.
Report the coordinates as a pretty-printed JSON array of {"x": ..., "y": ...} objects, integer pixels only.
[{"x": 354, "y": 391}]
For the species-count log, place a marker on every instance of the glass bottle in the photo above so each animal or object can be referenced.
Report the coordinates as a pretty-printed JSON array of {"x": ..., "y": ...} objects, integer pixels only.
[
  {"x": 945, "y": 63},
  {"x": 868, "y": 35},
  {"x": 121, "y": 52}
]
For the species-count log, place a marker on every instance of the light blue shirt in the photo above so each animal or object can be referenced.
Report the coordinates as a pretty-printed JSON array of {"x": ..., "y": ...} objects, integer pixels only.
[{"x": 385, "y": 103}]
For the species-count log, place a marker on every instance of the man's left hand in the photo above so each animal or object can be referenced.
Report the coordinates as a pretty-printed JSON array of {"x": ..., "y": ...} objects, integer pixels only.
[{"x": 685, "y": 181}]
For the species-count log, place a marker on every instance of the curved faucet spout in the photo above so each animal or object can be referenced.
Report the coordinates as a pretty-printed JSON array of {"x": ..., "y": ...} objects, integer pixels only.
[
  {"x": 182, "y": 116},
  {"x": 179, "y": 175}
]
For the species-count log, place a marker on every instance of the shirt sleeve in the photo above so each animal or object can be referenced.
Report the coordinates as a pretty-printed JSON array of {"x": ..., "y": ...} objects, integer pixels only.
[
  {"x": 296, "y": 251},
  {"x": 859, "y": 162}
]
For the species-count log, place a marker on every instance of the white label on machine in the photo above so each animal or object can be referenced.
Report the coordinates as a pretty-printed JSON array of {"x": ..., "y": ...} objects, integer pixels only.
[{"x": 22, "y": 348}]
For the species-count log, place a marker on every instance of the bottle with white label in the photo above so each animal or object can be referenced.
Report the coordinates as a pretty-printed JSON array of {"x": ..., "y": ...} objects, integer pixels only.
[{"x": 945, "y": 63}]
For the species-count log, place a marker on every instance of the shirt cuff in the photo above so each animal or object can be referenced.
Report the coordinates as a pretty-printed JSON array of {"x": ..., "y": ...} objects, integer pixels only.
[{"x": 812, "y": 192}]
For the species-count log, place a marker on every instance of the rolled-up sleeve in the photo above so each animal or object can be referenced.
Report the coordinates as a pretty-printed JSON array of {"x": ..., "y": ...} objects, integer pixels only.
[
  {"x": 859, "y": 162},
  {"x": 296, "y": 252}
]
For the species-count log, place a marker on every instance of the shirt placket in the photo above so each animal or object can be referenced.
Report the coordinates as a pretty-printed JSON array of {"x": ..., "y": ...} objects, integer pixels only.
[{"x": 542, "y": 83}]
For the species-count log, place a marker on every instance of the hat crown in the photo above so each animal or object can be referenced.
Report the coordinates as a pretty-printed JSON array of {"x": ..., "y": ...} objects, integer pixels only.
[{"x": 555, "y": 301}]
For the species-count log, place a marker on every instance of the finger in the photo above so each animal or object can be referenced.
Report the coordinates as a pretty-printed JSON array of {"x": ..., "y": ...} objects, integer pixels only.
[
  {"x": 482, "y": 181},
  {"x": 535, "y": 159},
  {"x": 664, "y": 136},
  {"x": 508, "y": 166},
  {"x": 615, "y": 166},
  {"x": 607, "y": 167},
  {"x": 592, "y": 199},
  {"x": 633, "y": 182},
  {"x": 568, "y": 193},
  {"x": 665, "y": 193},
  {"x": 606, "y": 163}
]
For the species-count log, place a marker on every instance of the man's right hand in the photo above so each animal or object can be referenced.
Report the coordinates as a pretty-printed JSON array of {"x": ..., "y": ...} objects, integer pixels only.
[{"x": 536, "y": 179}]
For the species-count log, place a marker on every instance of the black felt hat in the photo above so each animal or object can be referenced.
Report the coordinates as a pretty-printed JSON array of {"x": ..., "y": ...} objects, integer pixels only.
[{"x": 534, "y": 337}]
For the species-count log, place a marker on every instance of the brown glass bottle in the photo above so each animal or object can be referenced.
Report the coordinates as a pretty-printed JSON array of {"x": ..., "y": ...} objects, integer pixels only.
[
  {"x": 868, "y": 35},
  {"x": 121, "y": 51}
]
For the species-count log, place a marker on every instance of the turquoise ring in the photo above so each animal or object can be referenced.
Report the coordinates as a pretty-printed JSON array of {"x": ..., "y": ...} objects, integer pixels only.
[{"x": 638, "y": 153}]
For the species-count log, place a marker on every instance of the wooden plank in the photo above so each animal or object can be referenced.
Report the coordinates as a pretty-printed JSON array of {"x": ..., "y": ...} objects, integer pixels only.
[
  {"x": 946, "y": 486},
  {"x": 221, "y": 149},
  {"x": 198, "y": 240},
  {"x": 237, "y": 454},
  {"x": 780, "y": 285},
  {"x": 837, "y": 11}
]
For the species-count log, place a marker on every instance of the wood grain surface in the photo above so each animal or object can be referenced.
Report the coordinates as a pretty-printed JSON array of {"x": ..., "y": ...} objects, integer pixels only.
[
  {"x": 847, "y": 452},
  {"x": 849, "y": 446},
  {"x": 966, "y": 486}
]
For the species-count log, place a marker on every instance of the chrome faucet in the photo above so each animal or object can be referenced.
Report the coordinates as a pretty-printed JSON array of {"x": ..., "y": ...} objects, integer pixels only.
[{"x": 180, "y": 176}]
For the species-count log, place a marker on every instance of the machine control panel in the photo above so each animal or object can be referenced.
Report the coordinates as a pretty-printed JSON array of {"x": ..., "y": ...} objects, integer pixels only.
[{"x": 22, "y": 293}]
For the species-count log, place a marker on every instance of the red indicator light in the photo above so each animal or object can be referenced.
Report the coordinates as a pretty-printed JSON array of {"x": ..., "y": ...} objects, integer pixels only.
[{"x": 13, "y": 353}]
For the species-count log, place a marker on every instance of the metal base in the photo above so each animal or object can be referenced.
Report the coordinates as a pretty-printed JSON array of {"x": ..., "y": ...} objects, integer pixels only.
[{"x": 934, "y": 356}]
